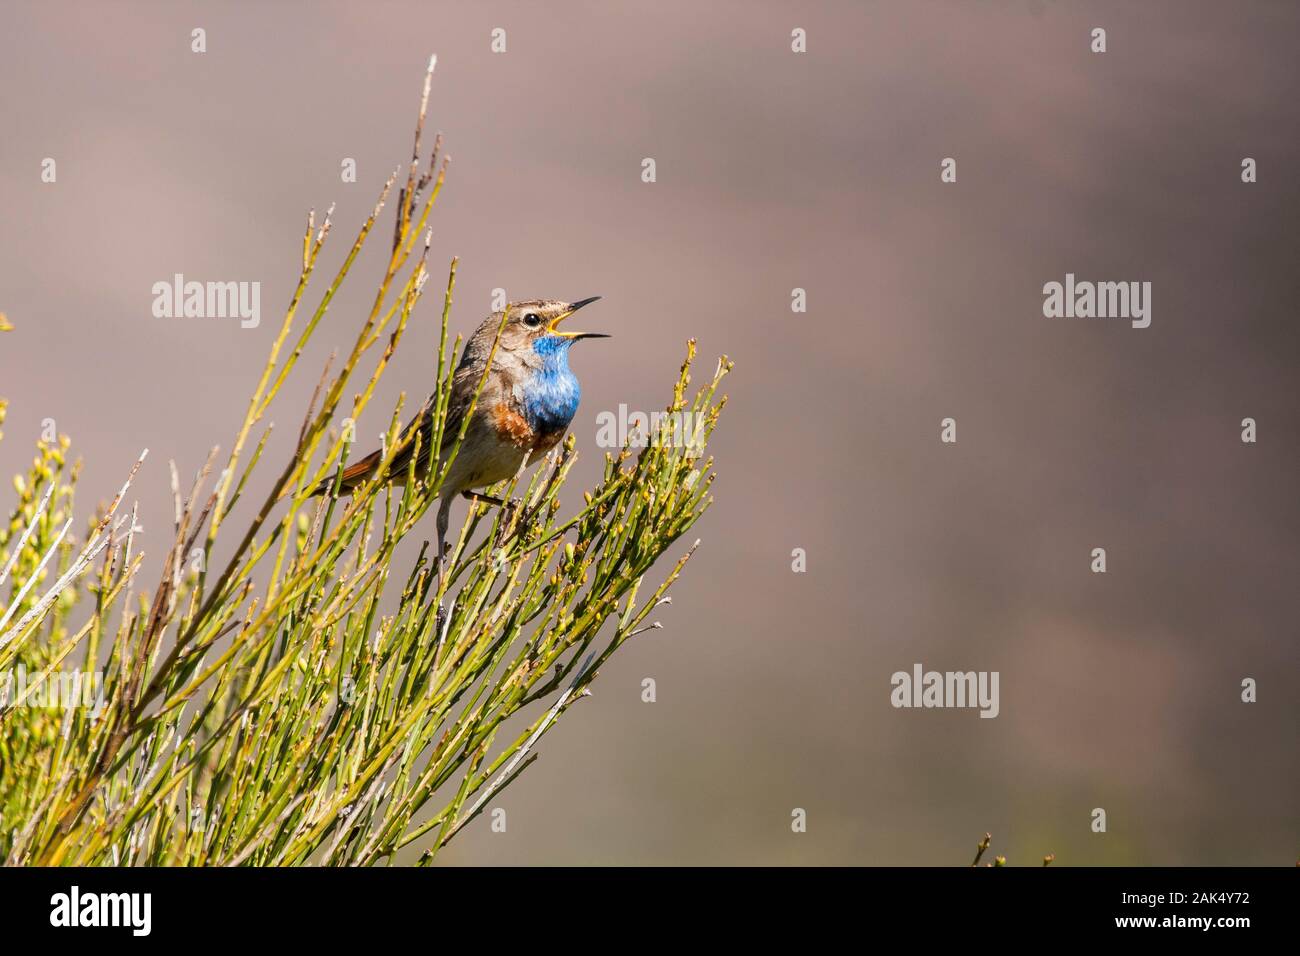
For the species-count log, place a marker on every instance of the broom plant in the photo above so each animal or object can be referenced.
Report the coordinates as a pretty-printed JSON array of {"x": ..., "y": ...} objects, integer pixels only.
[{"x": 313, "y": 698}]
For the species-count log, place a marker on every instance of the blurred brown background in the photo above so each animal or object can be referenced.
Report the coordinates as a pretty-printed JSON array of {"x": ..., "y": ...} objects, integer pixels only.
[{"x": 775, "y": 171}]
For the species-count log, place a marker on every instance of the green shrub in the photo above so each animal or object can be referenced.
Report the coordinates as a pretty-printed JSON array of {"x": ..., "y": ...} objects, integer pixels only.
[{"x": 310, "y": 701}]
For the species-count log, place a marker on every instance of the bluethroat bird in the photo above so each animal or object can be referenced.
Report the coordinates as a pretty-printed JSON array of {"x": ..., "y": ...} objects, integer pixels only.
[{"x": 527, "y": 402}]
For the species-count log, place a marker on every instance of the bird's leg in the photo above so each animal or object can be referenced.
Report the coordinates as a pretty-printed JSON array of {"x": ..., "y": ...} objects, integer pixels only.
[
  {"x": 490, "y": 499},
  {"x": 511, "y": 506},
  {"x": 444, "y": 516}
]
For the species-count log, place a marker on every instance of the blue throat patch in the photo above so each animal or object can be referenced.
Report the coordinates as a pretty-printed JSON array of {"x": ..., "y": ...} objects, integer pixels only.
[{"x": 551, "y": 395}]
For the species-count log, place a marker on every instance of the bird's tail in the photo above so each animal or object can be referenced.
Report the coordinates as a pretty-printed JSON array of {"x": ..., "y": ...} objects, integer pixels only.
[{"x": 354, "y": 474}]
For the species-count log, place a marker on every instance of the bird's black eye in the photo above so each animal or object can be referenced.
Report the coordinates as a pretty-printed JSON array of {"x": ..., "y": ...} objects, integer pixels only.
[{"x": 532, "y": 319}]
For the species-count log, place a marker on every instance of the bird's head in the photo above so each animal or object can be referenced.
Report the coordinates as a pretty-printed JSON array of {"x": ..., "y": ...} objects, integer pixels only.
[{"x": 535, "y": 326}]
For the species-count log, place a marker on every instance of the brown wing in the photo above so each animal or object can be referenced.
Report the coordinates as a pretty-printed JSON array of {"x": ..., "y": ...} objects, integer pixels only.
[
  {"x": 357, "y": 472},
  {"x": 363, "y": 469},
  {"x": 463, "y": 386}
]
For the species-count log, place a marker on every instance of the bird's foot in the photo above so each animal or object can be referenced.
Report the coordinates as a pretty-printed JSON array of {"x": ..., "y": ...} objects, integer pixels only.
[
  {"x": 514, "y": 515},
  {"x": 491, "y": 499}
]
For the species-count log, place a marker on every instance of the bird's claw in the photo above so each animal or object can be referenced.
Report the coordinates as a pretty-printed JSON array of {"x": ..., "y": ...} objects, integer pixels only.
[{"x": 516, "y": 519}]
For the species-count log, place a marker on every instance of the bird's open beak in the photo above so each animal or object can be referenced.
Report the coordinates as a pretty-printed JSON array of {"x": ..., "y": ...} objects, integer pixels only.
[{"x": 574, "y": 307}]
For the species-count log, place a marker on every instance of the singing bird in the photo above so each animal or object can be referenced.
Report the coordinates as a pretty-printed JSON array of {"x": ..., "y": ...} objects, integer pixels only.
[{"x": 527, "y": 402}]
